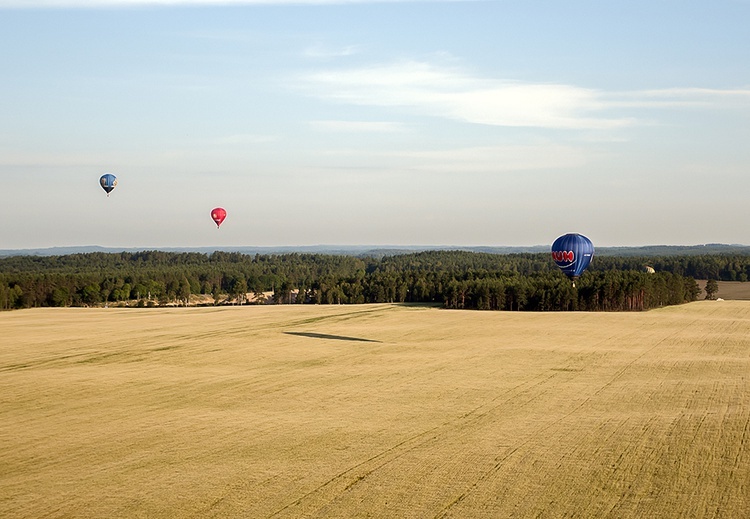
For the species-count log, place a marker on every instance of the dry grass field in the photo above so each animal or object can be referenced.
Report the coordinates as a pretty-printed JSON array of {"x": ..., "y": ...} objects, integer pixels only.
[
  {"x": 375, "y": 411},
  {"x": 734, "y": 290}
]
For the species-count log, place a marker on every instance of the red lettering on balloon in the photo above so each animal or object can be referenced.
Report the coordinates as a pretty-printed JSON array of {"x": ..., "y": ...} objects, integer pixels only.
[{"x": 566, "y": 256}]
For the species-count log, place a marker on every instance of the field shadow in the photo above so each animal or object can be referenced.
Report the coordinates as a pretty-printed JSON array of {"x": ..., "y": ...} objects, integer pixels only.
[{"x": 327, "y": 336}]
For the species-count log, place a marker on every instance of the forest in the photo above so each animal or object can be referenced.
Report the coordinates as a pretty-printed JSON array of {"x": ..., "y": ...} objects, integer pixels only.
[{"x": 453, "y": 279}]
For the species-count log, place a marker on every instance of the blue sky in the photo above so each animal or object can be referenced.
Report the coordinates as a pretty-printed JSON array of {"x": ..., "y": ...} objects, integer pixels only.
[{"x": 379, "y": 123}]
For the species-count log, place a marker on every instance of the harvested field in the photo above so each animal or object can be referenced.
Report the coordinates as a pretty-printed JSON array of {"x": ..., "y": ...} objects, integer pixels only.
[
  {"x": 375, "y": 411},
  {"x": 734, "y": 290}
]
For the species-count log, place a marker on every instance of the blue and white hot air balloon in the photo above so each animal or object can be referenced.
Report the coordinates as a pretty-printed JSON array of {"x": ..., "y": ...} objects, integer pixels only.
[
  {"x": 572, "y": 253},
  {"x": 108, "y": 182}
]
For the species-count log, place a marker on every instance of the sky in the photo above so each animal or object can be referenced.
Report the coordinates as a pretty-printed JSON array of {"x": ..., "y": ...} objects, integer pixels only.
[{"x": 468, "y": 123}]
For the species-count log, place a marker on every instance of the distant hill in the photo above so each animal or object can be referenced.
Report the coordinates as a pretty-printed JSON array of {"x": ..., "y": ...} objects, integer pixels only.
[
  {"x": 378, "y": 251},
  {"x": 346, "y": 250},
  {"x": 674, "y": 250}
]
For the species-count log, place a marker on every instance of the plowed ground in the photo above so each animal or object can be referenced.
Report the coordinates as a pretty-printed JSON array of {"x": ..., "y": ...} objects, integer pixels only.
[{"x": 375, "y": 411}]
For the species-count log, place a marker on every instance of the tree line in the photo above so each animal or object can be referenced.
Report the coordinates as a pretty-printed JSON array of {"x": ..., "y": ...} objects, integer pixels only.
[{"x": 454, "y": 279}]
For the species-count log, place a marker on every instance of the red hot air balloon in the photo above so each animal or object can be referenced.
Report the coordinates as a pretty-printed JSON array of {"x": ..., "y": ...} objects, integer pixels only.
[{"x": 217, "y": 215}]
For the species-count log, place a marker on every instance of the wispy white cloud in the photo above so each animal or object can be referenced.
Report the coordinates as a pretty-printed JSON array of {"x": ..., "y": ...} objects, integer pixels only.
[
  {"x": 473, "y": 159},
  {"x": 681, "y": 98},
  {"x": 50, "y": 159},
  {"x": 357, "y": 126},
  {"x": 321, "y": 51},
  {"x": 126, "y": 3},
  {"x": 426, "y": 89},
  {"x": 444, "y": 92},
  {"x": 695, "y": 93},
  {"x": 481, "y": 159},
  {"x": 246, "y": 139}
]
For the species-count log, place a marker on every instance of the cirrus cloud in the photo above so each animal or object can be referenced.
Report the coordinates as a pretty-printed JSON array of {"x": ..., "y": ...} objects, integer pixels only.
[
  {"x": 135, "y": 3},
  {"x": 425, "y": 89},
  {"x": 357, "y": 126}
]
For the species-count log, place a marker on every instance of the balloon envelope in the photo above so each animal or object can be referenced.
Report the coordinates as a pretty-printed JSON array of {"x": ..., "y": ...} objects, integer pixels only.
[
  {"x": 108, "y": 182},
  {"x": 572, "y": 253},
  {"x": 217, "y": 215}
]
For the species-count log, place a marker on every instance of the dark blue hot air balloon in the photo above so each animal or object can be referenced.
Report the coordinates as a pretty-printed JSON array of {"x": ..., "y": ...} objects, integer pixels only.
[
  {"x": 108, "y": 182},
  {"x": 572, "y": 253}
]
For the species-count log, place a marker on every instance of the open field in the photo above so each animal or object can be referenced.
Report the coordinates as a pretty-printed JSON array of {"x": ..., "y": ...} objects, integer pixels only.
[
  {"x": 375, "y": 411},
  {"x": 734, "y": 290}
]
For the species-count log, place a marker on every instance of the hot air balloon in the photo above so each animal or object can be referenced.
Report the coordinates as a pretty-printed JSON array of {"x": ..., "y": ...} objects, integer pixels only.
[
  {"x": 572, "y": 253},
  {"x": 217, "y": 215},
  {"x": 108, "y": 182}
]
